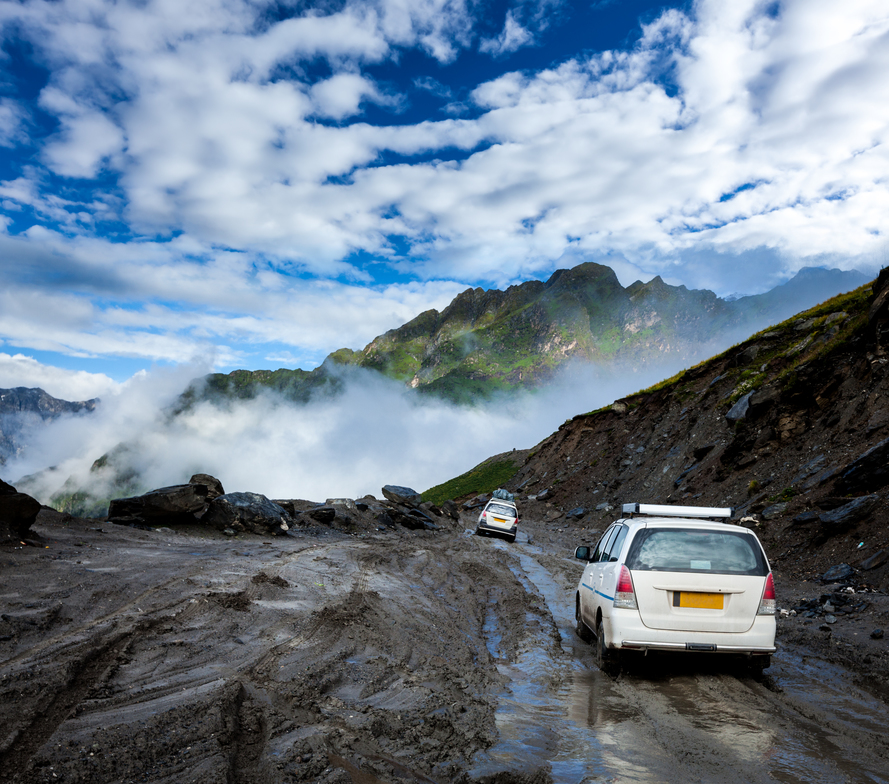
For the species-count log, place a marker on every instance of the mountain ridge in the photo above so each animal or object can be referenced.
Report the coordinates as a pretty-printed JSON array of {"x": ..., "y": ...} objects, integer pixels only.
[{"x": 487, "y": 341}]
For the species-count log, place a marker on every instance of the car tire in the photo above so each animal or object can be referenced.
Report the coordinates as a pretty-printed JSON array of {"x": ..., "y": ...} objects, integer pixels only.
[
  {"x": 510, "y": 538},
  {"x": 583, "y": 631},
  {"x": 607, "y": 659}
]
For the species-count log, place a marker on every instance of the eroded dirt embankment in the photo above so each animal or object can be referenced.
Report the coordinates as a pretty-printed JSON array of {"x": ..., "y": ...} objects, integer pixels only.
[{"x": 394, "y": 656}]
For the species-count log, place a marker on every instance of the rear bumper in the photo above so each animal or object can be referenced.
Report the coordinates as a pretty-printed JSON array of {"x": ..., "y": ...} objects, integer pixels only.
[
  {"x": 625, "y": 630},
  {"x": 509, "y": 530},
  {"x": 648, "y": 645}
]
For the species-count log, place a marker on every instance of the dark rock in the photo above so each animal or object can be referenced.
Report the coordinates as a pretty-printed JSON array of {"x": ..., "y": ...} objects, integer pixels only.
[
  {"x": 576, "y": 513},
  {"x": 838, "y": 573},
  {"x": 544, "y": 494},
  {"x": 604, "y": 507},
  {"x": 831, "y": 502},
  {"x": 806, "y": 517},
  {"x": 820, "y": 479},
  {"x": 384, "y": 518},
  {"x": 766, "y": 435},
  {"x": 812, "y": 467},
  {"x": 746, "y": 356},
  {"x": 775, "y": 510},
  {"x": 702, "y": 451},
  {"x": 739, "y": 410},
  {"x": 213, "y": 485},
  {"x": 166, "y": 505},
  {"x": 18, "y": 512},
  {"x": 450, "y": 509},
  {"x": 876, "y": 634},
  {"x": 413, "y": 519},
  {"x": 401, "y": 495},
  {"x": 6, "y": 489},
  {"x": 876, "y": 560},
  {"x": 287, "y": 504},
  {"x": 685, "y": 473},
  {"x": 763, "y": 399},
  {"x": 848, "y": 514},
  {"x": 870, "y": 471},
  {"x": 247, "y": 512},
  {"x": 323, "y": 514},
  {"x": 479, "y": 500}
]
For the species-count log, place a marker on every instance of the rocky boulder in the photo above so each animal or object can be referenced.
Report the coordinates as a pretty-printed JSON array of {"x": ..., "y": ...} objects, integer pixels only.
[
  {"x": 450, "y": 509},
  {"x": 18, "y": 512},
  {"x": 323, "y": 514},
  {"x": 847, "y": 515},
  {"x": 164, "y": 506},
  {"x": 249, "y": 512},
  {"x": 213, "y": 485},
  {"x": 870, "y": 471},
  {"x": 413, "y": 519},
  {"x": 402, "y": 495}
]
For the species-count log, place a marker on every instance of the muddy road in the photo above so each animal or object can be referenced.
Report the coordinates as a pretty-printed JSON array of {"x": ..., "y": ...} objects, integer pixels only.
[{"x": 403, "y": 656}]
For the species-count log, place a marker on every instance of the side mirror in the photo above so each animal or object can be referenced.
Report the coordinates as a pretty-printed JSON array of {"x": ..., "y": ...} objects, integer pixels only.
[{"x": 582, "y": 554}]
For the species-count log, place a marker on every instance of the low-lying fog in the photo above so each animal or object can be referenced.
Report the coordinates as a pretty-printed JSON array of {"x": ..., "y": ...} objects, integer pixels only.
[{"x": 377, "y": 432}]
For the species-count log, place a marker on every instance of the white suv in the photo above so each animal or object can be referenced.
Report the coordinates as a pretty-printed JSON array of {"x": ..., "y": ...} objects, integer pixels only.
[
  {"x": 676, "y": 581},
  {"x": 499, "y": 517}
]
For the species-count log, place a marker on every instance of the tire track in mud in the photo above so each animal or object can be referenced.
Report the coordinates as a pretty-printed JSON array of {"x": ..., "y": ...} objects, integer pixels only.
[{"x": 84, "y": 676}]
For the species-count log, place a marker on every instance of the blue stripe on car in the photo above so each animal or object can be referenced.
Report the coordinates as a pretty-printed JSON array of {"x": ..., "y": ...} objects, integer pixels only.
[{"x": 603, "y": 595}]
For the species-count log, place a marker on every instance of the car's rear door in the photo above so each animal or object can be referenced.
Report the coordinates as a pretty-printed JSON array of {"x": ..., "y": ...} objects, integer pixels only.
[{"x": 697, "y": 580}]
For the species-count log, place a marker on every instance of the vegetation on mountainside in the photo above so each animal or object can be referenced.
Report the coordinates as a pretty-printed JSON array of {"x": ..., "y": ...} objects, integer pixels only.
[
  {"x": 484, "y": 478},
  {"x": 793, "y": 349}
]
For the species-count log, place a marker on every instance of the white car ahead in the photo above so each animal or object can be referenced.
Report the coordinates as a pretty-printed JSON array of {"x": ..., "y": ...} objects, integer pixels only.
[
  {"x": 499, "y": 517},
  {"x": 675, "y": 581}
]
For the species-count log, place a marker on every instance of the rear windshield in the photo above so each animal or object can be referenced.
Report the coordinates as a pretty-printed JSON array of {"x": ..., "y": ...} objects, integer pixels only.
[
  {"x": 501, "y": 509},
  {"x": 684, "y": 550}
]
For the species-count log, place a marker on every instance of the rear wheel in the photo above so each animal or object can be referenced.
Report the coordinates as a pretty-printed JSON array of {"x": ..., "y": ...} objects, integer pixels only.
[
  {"x": 607, "y": 659},
  {"x": 583, "y": 631},
  {"x": 756, "y": 664}
]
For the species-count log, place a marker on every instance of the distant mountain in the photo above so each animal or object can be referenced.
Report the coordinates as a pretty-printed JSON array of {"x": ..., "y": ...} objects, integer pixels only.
[
  {"x": 489, "y": 341},
  {"x": 22, "y": 409}
]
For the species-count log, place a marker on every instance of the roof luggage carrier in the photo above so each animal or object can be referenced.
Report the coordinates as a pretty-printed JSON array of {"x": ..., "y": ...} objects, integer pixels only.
[{"x": 663, "y": 510}]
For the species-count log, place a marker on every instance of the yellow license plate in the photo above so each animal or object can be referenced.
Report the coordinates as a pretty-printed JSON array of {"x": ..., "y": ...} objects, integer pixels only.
[
  {"x": 499, "y": 520},
  {"x": 702, "y": 601}
]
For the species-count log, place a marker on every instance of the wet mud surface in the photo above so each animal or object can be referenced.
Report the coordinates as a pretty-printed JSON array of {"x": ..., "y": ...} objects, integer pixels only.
[{"x": 398, "y": 656}]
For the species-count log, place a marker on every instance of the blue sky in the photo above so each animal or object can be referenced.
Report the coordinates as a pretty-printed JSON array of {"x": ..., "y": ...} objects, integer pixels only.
[{"x": 242, "y": 183}]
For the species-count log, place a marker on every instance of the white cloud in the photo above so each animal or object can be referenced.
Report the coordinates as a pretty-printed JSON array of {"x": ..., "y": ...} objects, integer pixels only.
[
  {"x": 19, "y": 370},
  {"x": 12, "y": 117},
  {"x": 285, "y": 451},
  {"x": 728, "y": 129},
  {"x": 512, "y": 37},
  {"x": 179, "y": 300}
]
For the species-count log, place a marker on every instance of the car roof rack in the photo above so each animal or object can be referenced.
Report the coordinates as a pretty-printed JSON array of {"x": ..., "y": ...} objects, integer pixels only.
[{"x": 663, "y": 510}]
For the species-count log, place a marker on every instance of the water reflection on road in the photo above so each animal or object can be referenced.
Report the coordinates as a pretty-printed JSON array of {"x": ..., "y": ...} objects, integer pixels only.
[{"x": 672, "y": 720}]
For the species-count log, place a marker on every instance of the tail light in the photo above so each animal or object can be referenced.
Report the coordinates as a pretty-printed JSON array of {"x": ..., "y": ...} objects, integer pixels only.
[
  {"x": 484, "y": 515},
  {"x": 767, "y": 604},
  {"x": 624, "y": 595}
]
